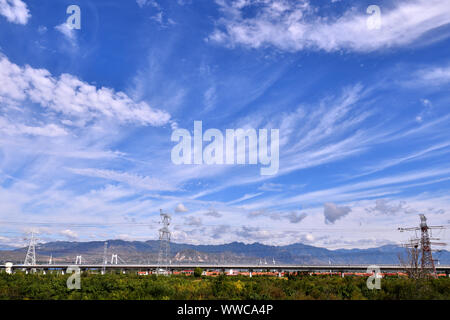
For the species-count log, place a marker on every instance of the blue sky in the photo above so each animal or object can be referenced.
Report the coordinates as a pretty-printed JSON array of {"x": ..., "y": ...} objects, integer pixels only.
[{"x": 86, "y": 118}]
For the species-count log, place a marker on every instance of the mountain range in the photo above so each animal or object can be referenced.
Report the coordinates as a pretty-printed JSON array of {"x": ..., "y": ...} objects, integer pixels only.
[{"x": 235, "y": 252}]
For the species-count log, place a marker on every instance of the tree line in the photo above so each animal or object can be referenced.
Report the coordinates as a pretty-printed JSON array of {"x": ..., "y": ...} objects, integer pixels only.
[{"x": 131, "y": 286}]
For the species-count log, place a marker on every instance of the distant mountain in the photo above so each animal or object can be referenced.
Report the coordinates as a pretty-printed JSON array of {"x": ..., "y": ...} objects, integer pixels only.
[{"x": 235, "y": 252}]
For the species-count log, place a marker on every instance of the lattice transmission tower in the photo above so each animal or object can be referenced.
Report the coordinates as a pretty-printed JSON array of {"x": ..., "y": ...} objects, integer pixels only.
[
  {"x": 30, "y": 258},
  {"x": 420, "y": 248},
  {"x": 105, "y": 258},
  {"x": 164, "y": 243}
]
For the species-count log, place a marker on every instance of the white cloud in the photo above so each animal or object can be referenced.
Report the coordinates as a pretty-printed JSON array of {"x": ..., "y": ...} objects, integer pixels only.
[
  {"x": 308, "y": 238},
  {"x": 294, "y": 25},
  {"x": 133, "y": 180},
  {"x": 245, "y": 197},
  {"x": 434, "y": 75},
  {"x": 427, "y": 111},
  {"x": 68, "y": 32},
  {"x": 332, "y": 212},
  {"x": 71, "y": 97},
  {"x": 158, "y": 17},
  {"x": 181, "y": 208},
  {"x": 292, "y": 217},
  {"x": 295, "y": 217},
  {"x": 213, "y": 213},
  {"x": 48, "y": 130},
  {"x": 254, "y": 233},
  {"x": 142, "y": 3},
  {"x": 15, "y": 11},
  {"x": 184, "y": 2},
  {"x": 160, "y": 14},
  {"x": 268, "y": 186},
  {"x": 426, "y": 102},
  {"x": 193, "y": 221},
  {"x": 69, "y": 234},
  {"x": 382, "y": 206},
  {"x": 378, "y": 187},
  {"x": 42, "y": 29},
  {"x": 210, "y": 97},
  {"x": 319, "y": 133}
]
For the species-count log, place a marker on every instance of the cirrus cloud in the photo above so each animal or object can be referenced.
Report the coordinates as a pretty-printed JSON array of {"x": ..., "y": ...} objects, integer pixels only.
[{"x": 295, "y": 26}]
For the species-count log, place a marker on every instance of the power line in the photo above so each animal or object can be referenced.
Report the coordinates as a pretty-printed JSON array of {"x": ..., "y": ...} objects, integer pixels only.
[{"x": 81, "y": 225}]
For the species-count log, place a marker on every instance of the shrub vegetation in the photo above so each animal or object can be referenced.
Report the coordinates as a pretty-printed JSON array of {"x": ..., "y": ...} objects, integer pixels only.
[{"x": 130, "y": 286}]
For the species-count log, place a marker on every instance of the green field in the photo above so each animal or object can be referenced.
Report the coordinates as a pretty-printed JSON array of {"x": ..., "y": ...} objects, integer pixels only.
[{"x": 129, "y": 286}]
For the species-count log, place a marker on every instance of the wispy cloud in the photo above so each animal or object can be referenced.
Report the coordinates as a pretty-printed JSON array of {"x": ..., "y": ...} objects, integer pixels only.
[
  {"x": 133, "y": 180},
  {"x": 14, "y": 129},
  {"x": 68, "y": 32},
  {"x": 86, "y": 153},
  {"x": 294, "y": 25},
  {"x": 160, "y": 16},
  {"x": 245, "y": 197},
  {"x": 434, "y": 75},
  {"x": 268, "y": 186}
]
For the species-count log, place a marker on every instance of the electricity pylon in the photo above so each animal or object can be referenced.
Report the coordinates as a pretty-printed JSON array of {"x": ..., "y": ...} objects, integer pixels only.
[
  {"x": 30, "y": 258},
  {"x": 105, "y": 259},
  {"x": 426, "y": 258},
  {"x": 164, "y": 243}
]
